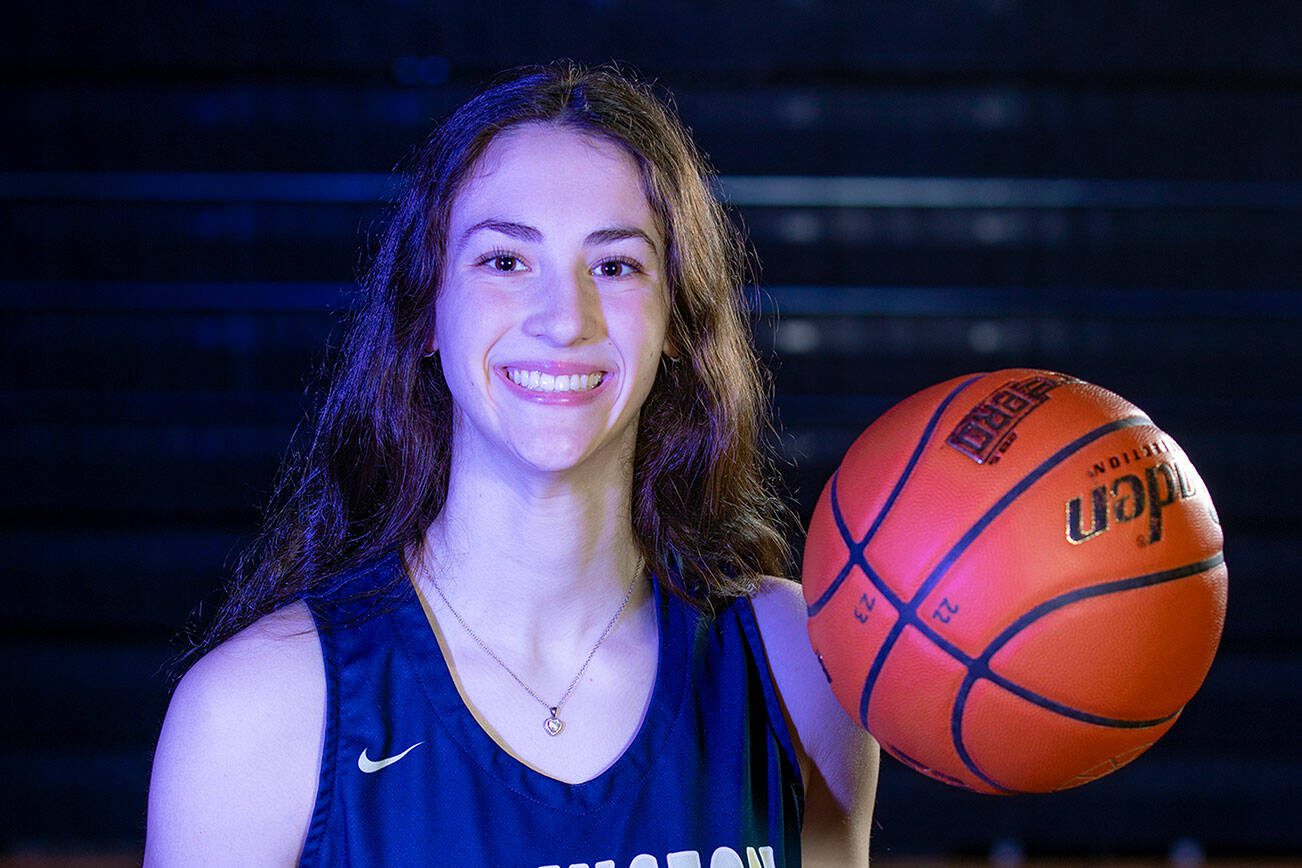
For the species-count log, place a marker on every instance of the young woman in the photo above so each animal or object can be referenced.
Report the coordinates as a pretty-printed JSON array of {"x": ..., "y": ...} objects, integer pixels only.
[{"x": 516, "y": 603}]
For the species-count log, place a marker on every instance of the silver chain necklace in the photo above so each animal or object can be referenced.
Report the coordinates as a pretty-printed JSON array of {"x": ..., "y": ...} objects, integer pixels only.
[{"x": 553, "y": 724}]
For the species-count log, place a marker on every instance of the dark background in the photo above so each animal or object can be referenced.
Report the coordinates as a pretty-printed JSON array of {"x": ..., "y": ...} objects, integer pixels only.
[{"x": 1109, "y": 189}]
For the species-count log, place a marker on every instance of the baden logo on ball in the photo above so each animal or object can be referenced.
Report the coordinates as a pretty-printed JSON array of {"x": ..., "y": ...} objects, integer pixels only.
[{"x": 974, "y": 599}]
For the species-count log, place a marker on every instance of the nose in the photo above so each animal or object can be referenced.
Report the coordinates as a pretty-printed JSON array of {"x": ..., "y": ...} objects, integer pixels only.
[{"x": 567, "y": 310}]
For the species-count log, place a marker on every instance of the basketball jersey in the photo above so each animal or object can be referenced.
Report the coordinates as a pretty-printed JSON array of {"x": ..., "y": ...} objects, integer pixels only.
[{"x": 709, "y": 780}]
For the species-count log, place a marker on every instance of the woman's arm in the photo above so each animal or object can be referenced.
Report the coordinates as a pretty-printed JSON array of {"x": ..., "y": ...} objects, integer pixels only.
[
  {"x": 838, "y": 759},
  {"x": 235, "y": 772}
]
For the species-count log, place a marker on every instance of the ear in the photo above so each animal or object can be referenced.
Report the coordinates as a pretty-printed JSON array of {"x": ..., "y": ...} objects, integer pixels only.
[
  {"x": 431, "y": 344},
  {"x": 670, "y": 350}
]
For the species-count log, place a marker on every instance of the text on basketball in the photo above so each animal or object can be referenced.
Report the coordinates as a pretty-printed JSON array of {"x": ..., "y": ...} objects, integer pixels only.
[{"x": 1127, "y": 498}]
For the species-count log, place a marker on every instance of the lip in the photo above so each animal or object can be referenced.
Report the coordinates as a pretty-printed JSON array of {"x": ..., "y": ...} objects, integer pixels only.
[{"x": 556, "y": 369}]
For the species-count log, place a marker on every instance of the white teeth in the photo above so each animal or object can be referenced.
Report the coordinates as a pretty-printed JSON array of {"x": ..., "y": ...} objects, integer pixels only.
[{"x": 538, "y": 381}]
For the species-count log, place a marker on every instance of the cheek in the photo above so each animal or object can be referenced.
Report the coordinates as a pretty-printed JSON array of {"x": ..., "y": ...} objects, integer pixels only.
[
  {"x": 643, "y": 327},
  {"x": 455, "y": 329},
  {"x": 458, "y": 326}
]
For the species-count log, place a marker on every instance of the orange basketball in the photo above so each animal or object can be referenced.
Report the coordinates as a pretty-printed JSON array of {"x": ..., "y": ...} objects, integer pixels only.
[{"x": 1015, "y": 581}]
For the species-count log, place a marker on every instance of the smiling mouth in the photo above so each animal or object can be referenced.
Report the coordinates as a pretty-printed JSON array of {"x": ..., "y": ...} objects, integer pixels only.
[{"x": 540, "y": 381}]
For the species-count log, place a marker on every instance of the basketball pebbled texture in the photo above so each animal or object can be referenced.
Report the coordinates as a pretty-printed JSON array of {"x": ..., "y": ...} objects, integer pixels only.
[{"x": 1015, "y": 581}]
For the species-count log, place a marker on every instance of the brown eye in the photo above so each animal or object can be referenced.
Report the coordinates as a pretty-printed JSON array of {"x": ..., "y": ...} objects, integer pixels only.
[
  {"x": 612, "y": 268},
  {"x": 505, "y": 262}
]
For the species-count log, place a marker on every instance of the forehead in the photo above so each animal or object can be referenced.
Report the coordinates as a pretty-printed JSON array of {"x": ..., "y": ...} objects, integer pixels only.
[{"x": 545, "y": 172}]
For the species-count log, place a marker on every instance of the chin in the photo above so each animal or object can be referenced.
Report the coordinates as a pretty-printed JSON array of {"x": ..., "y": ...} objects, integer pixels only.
[{"x": 552, "y": 456}]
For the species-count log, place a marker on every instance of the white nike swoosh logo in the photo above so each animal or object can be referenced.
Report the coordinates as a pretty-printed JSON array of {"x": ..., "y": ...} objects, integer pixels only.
[{"x": 369, "y": 765}]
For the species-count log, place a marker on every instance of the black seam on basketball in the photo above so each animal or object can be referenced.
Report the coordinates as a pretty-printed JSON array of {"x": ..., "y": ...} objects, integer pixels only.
[
  {"x": 855, "y": 549},
  {"x": 1110, "y": 587},
  {"x": 854, "y": 552},
  {"x": 908, "y": 614},
  {"x": 979, "y": 667},
  {"x": 927, "y": 770},
  {"x": 956, "y": 735}
]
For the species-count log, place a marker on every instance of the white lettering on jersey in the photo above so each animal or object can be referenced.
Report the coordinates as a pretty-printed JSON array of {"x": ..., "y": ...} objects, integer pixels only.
[{"x": 723, "y": 857}]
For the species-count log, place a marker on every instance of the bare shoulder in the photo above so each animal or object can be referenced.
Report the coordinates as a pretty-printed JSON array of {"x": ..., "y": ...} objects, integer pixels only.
[
  {"x": 235, "y": 771},
  {"x": 838, "y": 757}
]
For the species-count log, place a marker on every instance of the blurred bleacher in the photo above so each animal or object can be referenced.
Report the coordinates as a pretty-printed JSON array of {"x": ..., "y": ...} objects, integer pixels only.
[{"x": 1112, "y": 190}]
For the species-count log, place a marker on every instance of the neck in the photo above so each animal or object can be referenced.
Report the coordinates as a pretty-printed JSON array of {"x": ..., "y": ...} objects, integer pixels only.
[{"x": 539, "y": 561}]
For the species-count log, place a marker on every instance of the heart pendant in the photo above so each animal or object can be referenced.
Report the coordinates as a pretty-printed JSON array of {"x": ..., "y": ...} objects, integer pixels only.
[{"x": 553, "y": 725}]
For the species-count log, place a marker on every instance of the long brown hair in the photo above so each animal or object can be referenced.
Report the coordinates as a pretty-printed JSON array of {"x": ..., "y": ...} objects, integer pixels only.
[{"x": 374, "y": 474}]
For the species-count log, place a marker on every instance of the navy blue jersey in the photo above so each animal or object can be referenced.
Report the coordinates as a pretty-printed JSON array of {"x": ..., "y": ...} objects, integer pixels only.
[{"x": 710, "y": 779}]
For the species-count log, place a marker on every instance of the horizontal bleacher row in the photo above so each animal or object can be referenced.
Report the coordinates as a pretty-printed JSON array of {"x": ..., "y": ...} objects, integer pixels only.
[{"x": 1035, "y": 129}]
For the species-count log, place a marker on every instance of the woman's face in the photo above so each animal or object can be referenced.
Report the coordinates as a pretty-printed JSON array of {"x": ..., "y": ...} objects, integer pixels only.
[{"x": 552, "y": 312}]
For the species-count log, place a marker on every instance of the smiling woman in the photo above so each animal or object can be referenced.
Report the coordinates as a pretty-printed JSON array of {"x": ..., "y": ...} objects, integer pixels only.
[{"x": 517, "y": 603}]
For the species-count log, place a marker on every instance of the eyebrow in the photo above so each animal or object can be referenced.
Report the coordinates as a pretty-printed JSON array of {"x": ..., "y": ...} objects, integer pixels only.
[
  {"x": 518, "y": 231},
  {"x": 619, "y": 233},
  {"x": 527, "y": 233}
]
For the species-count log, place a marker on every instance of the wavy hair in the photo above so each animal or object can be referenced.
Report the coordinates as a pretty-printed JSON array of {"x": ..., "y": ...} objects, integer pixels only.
[{"x": 374, "y": 474}]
